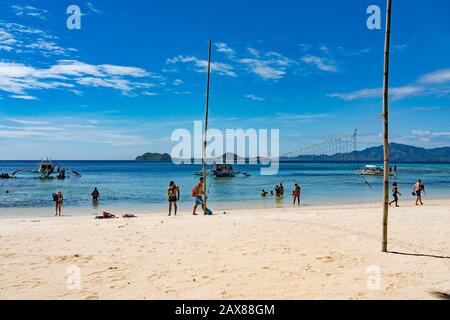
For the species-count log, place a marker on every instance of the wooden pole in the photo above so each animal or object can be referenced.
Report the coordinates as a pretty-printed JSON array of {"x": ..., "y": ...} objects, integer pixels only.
[
  {"x": 386, "y": 126},
  {"x": 206, "y": 127}
]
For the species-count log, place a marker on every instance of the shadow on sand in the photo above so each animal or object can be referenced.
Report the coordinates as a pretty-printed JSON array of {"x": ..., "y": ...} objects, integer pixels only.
[
  {"x": 441, "y": 295},
  {"x": 419, "y": 255}
]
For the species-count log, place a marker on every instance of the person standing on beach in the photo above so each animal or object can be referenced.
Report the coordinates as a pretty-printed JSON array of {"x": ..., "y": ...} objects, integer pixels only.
[
  {"x": 281, "y": 189},
  {"x": 59, "y": 201},
  {"x": 419, "y": 187},
  {"x": 197, "y": 193},
  {"x": 296, "y": 193},
  {"x": 173, "y": 194},
  {"x": 395, "y": 194}
]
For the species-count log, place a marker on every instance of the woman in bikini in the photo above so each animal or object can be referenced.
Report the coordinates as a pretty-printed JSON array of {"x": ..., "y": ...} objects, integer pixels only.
[{"x": 395, "y": 194}]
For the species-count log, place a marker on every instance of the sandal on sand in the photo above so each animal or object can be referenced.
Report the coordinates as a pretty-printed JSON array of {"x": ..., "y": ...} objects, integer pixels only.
[{"x": 129, "y": 216}]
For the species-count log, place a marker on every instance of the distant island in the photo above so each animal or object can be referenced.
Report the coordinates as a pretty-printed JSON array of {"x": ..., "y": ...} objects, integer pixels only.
[
  {"x": 397, "y": 153},
  {"x": 149, "y": 156}
]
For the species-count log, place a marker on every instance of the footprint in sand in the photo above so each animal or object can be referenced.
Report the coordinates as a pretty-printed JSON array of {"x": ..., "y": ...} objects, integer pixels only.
[
  {"x": 92, "y": 297},
  {"x": 325, "y": 259}
]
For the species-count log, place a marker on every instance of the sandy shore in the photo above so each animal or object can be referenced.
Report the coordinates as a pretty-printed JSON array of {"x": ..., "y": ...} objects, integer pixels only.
[{"x": 291, "y": 253}]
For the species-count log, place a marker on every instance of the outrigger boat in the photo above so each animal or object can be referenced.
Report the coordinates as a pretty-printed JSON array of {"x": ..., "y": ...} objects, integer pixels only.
[
  {"x": 47, "y": 169},
  {"x": 223, "y": 171},
  {"x": 372, "y": 170}
]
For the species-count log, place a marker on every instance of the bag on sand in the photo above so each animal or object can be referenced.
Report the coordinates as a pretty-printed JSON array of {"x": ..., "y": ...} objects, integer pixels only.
[{"x": 208, "y": 212}]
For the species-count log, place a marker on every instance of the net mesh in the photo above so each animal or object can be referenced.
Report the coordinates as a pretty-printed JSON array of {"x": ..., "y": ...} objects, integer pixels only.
[{"x": 335, "y": 159}]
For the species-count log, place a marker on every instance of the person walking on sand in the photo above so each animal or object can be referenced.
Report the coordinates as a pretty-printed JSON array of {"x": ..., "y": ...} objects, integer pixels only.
[
  {"x": 173, "y": 195},
  {"x": 197, "y": 194},
  {"x": 419, "y": 187},
  {"x": 296, "y": 193},
  {"x": 59, "y": 201},
  {"x": 395, "y": 194}
]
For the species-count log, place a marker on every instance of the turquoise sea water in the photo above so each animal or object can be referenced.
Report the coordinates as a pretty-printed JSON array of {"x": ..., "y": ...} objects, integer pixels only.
[{"x": 131, "y": 184}]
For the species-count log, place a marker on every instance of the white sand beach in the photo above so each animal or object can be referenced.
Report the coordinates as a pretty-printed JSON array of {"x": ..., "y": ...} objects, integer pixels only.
[{"x": 292, "y": 253}]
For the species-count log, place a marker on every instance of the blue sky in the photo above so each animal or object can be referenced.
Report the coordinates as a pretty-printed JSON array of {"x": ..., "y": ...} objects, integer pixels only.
[{"x": 136, "y": 71}]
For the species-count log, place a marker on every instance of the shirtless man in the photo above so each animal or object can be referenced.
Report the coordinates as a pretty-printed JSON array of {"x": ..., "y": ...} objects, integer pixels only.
[
  {"x": 59, "y": 202},
  {"x": 197, "y": 193},
  {"x": 173, "y": 195},
  {"x": 419, "y": 187}
]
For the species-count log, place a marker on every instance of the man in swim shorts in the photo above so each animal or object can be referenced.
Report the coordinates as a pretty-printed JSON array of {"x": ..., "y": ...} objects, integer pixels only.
[
  {"x": 197, "y": 193},
  {"x": 59, "y": 201},
  {"x": 419, "y": 187}
]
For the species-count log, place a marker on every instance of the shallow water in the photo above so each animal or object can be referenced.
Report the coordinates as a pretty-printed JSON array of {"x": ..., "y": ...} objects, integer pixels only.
[{"x": 143, "y": 185}]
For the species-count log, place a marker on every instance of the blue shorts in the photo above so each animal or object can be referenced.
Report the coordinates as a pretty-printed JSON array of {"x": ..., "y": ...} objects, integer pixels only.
[{"x": 198, "y": 200}]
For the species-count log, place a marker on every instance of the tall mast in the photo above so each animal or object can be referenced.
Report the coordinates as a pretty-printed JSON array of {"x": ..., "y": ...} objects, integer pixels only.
[
  {"x": 386, "y": 126},
  {"x": 206, "y": 127}
]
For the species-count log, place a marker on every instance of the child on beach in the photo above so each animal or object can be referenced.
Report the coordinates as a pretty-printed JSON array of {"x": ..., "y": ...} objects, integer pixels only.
[
  {"x": 395, "y": 194},
  {"x": 173, "y": 195}
]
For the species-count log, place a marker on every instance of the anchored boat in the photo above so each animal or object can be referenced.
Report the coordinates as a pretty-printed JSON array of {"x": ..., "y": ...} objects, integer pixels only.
[{"x": 372, "y": 170}]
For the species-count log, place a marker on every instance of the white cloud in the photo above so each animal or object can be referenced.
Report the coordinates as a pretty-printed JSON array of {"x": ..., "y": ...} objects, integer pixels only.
[
  {"x": 253, "y": 52},
  {"x": 306, "y": 117},
  {"x": 268, "y": 66},
  {"x": 23, "y": 97},
  {"x": 263, "y": 69},
  {"x": 254, "y": 97},
  {"x": 356, "y": 95},
  {"x": 29, "y": 11},
  {"x": 322, "y": 64},
  {"x": 397, "y": 93},
  {"x": 202, "y": 65},
  {"x": 148, "y": 93},
  {"x": 436, "y": 77},
  {"x": 426, "y": 108},
  {"x": 26, "y": 121},
  {"x": 18, "y": 78},
  {"x": 179, "y": 93},
  {"x": 92, "y": 8},
  {"x": 22, "y": 39},
  {"x": 426, "y": 135},
  {"x": 433, "y": 83},
  {"x": 224, "y": 48},
  {"x": 72, "y": 130}
]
